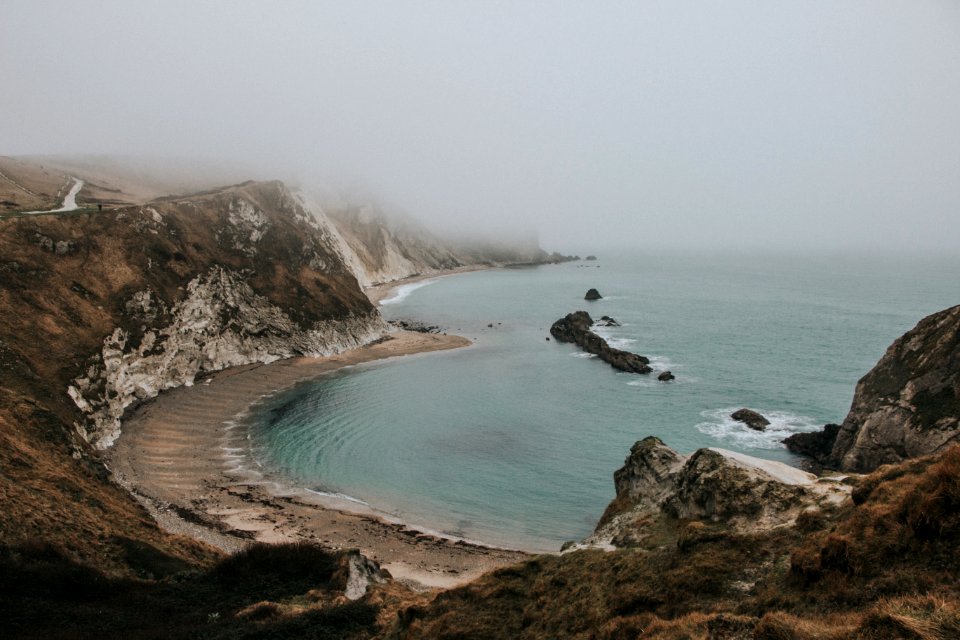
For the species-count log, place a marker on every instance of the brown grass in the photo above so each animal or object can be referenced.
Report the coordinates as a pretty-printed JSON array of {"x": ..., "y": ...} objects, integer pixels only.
[
  {"x": 914, "y": 617},
  {"x": 899, "y": 536}
]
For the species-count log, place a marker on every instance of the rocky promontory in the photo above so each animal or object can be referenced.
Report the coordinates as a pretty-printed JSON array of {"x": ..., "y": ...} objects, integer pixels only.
[
  {"x": 710, "y": 485},
  {"x": 907, "y": 406},
  {"x": 576, "y": 328}
]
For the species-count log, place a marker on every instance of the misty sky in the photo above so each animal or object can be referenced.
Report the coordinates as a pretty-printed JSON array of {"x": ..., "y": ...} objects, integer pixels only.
[{"x": 809, "y": 124}]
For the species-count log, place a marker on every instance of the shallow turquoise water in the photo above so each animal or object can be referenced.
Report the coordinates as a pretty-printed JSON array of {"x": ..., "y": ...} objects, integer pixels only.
[{"x": 514, "y": 440}]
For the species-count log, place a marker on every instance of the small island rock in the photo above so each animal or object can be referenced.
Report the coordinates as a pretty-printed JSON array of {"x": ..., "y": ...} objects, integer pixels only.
[
  {"x": 665, "y": 376},
  {"x": 593, "y": 294},
  {"x": 750, "y": 418}
]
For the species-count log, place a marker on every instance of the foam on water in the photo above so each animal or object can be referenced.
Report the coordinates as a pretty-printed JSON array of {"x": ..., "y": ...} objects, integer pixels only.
[
  {"x": 338, "y": 496},
  {"x": 783, "y": 424},
  {"x": 403, "y": 291}
]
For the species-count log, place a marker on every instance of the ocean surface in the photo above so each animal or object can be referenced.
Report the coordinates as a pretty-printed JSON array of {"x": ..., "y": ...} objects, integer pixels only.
[{"x": 513, "y": 441}]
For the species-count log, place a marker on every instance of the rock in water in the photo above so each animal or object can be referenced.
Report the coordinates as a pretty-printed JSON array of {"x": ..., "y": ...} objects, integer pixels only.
[
  {"x": 575, "y": 328},
  {"x": 750, "y": 418},
  {"x": 817, "y": 445},
  {"x": 591, "y": 258},
  {"x": 665, "y": 376},
  {"x": 908, "y": 405},
  {"x": 593, "y": 294},
  {"x": 607, "y": 321}
]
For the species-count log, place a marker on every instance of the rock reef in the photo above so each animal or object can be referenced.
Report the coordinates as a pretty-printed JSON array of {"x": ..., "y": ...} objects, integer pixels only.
[{"x": 575, "y": 328}]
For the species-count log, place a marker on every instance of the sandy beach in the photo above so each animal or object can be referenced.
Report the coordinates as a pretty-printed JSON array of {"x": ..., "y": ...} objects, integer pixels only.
[
  {"x": 378, "y": 292},
  {"x": 183, "y": 456}
]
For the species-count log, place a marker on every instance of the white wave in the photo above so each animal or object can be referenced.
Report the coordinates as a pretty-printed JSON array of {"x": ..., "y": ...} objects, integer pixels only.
[
  {"x": 663, "y": 363},
  {"x": 583, "y": 354},
  {"x": 608, "y": 334},
  {"x": 783, "y": 424},
  {"x": 338, "y": 496},
  {"x": 403, "y": 291}
]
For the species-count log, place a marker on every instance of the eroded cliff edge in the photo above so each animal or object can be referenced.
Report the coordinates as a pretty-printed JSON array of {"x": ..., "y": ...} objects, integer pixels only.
[{"x": 907, "y": 406}]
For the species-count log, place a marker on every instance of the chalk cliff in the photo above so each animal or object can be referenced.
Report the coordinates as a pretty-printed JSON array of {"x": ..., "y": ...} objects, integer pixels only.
[{"x": 101, "y": 310}]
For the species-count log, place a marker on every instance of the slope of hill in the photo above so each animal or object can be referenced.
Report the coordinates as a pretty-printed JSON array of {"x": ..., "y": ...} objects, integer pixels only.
[{"x": 102, "y": 310}]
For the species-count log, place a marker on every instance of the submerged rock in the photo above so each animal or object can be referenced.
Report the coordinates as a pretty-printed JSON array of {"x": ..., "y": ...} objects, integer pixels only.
[
  {"x": 750, "y": 418},
  {"x": 575, "y": 328},
  {"x": 908, "y": 405},
  {"x": 593, "y": 294},
  {"x": 607, "y": 321}
]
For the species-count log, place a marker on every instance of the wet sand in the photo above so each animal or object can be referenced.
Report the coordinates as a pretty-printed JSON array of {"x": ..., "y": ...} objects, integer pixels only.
[{"x": 183, "y": 457}]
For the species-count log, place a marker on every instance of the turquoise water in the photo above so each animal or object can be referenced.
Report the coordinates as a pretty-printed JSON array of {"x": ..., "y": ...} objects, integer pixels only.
[{"x": 514, "y": 440}]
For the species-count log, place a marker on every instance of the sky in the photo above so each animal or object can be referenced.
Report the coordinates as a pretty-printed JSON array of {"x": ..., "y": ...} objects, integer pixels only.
[{"x": 809, "y": 125}]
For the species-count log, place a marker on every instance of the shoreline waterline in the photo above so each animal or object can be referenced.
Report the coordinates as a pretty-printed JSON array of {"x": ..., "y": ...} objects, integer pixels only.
[{"x": 181, "y": 455}]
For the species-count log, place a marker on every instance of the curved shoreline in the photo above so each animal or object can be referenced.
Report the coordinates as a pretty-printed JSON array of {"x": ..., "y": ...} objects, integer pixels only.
[{"x": 179, "y": 454}]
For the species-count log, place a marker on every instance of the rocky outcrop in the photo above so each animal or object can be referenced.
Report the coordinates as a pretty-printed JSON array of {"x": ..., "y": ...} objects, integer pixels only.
[
  {"x": 817, "y": 445},
  {"x": 575, "y": 328},
  {"x": 356, "y": 573},
  {"x": 607, "y": 321},
  {"x": 666, "y": 376},
  {"x": 128, "y": 302},
  {"x": 750, "y": 418},
  {"x": 221, "y": 322},
  {"x": 593, "y": 294},
  {"x": 712, "y": 485},
  {"x": 908, "y": 405}
]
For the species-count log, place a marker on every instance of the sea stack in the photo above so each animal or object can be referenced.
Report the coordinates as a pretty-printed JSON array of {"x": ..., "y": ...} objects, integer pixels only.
[
  {"x": 750, "y": 418},
  {"x": 593, "y": 294}
]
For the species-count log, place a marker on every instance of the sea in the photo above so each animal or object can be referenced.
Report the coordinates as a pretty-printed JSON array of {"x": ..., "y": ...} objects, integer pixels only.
[{"x": 513, "y": 441}]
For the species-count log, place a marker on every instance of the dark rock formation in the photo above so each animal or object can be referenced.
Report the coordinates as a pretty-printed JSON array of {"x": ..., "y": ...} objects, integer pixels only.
[
  {"x": 817, "y": 445},
  {"x": 590, "y": 258},
  {"x": 593, "y": 294},
  {"x": 575, "y": 328},
  {"x": 750, "y": 418},
  {"x": 413, "y": 325},
  {"x": 607, "y": 321},
  {"x": 908, "y": 405},
  {"x": 665, "y": 376}
]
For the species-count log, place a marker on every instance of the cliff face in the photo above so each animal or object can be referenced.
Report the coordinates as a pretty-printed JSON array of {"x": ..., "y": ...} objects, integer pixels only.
[
  {"x": 104, "y": 309},
  {"x": 657, "y": 487},
  {"x": 908, "y": 405},
  {"x": 380, "y": 248}
]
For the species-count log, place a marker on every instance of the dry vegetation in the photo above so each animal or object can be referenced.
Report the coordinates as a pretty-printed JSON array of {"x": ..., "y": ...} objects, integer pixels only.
[
  {"x": 883, "y": 567},
  {"x": 64, "y": 283}
]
